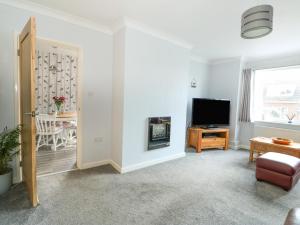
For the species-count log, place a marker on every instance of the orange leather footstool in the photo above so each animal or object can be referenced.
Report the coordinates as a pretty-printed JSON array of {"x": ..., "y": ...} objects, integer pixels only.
[{"x": 279, "y": 169}]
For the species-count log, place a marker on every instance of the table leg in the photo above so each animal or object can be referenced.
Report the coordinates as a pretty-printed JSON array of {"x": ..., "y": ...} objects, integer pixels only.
[{"x": 251, "y": 153}]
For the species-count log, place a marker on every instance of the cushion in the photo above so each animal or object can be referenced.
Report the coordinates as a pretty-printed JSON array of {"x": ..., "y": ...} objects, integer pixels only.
[{"x": 281, "y": 163}]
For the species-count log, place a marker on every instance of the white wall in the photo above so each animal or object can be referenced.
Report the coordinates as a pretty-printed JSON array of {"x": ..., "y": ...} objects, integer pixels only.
[
  {"x": 265, "y": 129},
  {"x": 224, "y": 83},
  {"x": 246, "y": 131},
  {"x": 127, "y": 78},
  {"x": 155, "y": 84},
  {"x": 269, "y": 131},
  {"x": 118, "y": 96},
  {"x": 96, "y": 78},
  {"x": 278, "y": 61},
  {"x": 199, "y": 72}
]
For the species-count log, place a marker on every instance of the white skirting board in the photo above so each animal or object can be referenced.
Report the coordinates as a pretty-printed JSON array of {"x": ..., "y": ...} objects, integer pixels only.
[
  {"x": 133, "y": 167},
  {"x": 234, "y": 144},
  {"x": 151, "y": 162},
  {"x": 95, "y": 164},
  {"x": 266, "y": 131},
  {"x": 116, "y": 166},
  {"x": 247, "y": 147}
]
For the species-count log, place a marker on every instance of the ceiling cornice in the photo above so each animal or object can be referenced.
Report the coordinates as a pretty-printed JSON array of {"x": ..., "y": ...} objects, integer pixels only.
[
  {"x": 118, "y": 25},
  {"x": 43, "y": 10},
  {"x": 227, "y": 60},
  {"x": 80, "y": 21},
  {"x": 128, "y": 22}
]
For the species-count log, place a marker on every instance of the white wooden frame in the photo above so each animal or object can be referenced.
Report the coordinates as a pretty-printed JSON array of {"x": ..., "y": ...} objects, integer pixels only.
[{"x": 18, "y": 176}]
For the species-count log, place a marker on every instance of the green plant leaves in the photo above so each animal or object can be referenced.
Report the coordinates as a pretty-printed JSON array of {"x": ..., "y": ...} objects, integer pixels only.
[{"x": 9, "y": 141}]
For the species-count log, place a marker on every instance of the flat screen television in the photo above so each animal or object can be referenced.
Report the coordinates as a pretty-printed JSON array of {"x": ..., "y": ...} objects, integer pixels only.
[{"x": 210, "y": 112}]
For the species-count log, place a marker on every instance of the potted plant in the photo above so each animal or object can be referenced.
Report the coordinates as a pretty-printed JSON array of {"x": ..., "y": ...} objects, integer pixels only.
[
  {"x": 9, "y": 141},
  {"x": 290, "y": 116},
  {"x": 59, "y": 101}
]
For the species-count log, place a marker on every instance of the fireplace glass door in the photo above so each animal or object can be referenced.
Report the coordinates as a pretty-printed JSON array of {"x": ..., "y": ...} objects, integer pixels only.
[{"x": 159, "y": 132}]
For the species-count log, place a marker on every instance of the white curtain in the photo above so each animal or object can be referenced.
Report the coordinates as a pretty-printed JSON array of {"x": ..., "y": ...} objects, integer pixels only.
[{"x": 244, "y": 115}]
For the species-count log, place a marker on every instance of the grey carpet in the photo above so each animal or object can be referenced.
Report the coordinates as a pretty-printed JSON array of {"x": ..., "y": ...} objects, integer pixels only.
[{"x": 214, "y": 187}]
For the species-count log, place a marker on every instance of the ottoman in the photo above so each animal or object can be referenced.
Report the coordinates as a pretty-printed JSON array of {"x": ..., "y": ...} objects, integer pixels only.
[{"x": 279, "y": 169}]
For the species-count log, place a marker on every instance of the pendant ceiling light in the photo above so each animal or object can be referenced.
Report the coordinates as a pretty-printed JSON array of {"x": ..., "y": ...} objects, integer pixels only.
[{"x": 257, "y": 22}]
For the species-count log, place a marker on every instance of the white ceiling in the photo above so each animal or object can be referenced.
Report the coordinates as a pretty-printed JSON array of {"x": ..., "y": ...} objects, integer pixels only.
[{"x": 212, "y": 27}]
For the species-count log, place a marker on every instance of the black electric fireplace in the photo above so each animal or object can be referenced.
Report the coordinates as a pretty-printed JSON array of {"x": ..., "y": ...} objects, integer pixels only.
[{"x": 159, "y": 132}]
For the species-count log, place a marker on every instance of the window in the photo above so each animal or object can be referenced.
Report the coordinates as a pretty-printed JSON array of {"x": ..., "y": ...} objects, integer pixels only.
[{"x": 276, "y": 95}]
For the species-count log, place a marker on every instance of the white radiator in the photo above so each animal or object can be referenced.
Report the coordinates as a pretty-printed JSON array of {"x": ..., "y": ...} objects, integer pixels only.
[{"x": 276, "y": 132}]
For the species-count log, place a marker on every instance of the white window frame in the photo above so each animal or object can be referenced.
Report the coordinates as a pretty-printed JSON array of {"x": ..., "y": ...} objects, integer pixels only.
[{"x": 282, "y": 123}]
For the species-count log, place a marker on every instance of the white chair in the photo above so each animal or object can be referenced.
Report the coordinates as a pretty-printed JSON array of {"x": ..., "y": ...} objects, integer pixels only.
[
  {"x": 70, "y": 130},
  {"x": 48, "y": 128}
]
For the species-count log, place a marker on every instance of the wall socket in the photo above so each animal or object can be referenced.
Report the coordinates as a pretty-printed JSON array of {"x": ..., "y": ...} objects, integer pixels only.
[{"x": 98, "y": 139}]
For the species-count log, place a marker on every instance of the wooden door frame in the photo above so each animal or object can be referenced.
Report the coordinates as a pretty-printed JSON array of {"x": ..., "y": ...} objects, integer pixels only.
[
  {"x": 17, "y": 178},
  {"x": 18, "y": 174}
]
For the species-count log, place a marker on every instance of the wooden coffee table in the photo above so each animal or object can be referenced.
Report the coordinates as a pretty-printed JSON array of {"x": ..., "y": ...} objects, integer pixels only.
[{"x": 262, "y": 145}]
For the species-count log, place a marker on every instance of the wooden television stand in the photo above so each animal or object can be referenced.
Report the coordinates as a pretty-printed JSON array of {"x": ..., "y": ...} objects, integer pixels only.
[{"x": 200, "y": 138}]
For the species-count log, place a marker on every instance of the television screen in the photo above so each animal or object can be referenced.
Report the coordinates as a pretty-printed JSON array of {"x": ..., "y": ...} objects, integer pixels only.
[{"x": 210, "y": 112}]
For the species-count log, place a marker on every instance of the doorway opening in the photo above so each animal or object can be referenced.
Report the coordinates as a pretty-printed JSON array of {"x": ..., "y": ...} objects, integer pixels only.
[
  {"x": 56, "y": 106},
  {"x": 41, "y": 65}
]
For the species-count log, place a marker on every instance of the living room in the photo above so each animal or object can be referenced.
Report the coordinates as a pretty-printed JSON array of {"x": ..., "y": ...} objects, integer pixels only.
[{"x": 143, "y": 67}]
